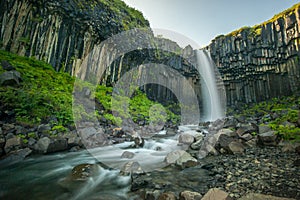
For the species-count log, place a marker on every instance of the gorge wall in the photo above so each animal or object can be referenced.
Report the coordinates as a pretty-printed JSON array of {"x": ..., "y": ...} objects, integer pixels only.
[
  {"x": 260, "y": 62},
  {"x": 62, "y": 32}
]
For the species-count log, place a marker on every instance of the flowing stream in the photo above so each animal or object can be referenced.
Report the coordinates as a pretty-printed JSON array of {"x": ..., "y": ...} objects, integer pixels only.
[{"x": 44, "y": 177}]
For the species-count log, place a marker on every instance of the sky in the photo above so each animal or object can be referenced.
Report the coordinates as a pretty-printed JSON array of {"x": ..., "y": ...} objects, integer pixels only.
[{"x": 197, "y": 22}]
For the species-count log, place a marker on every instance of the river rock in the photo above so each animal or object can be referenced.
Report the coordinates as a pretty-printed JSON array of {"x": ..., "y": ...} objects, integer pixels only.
[
  {"x": 185, "y": 138},
  {"x": 186, "y": 160},
  {"x": 130, "y": 168},
  {"x": 15, "y": 156},
  {"x": 12, "y": 144},
  {"x": 127, "y": 154},
  {"x": 83, "y": 171},
  {"x": 228, "y": 132},
  {"x": 57, "y": 144},
  {"x": 167, "y": 196},
  {"x": 92, "y": 137},
  {"x": 173, "y": 156},
  {"x": 245, "y": 128},
  {"x": 216, "y": 194},
  {"x": 188, "y": 195},
  {"x": 267, "y": 138},
  {"x": 254, "y": 196},
  {"x": 10, "y": 78},
  {"x": 42, "y": 145}
]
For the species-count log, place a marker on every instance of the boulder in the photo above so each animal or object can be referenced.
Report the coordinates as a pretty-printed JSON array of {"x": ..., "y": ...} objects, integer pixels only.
[
  {"x": 12, "y": 144},
  {"x": 236, "y": 147},
  {"x": 42, "y": 145},
  {"x": 181, "y": 158},
  {"x": 186, "y": 139},
  {"x": 44, "y": 128},
  {"x": 263, "y": 129},
  {"x": 246, "y": 129},
  {"x": 255, "y": 196},
  {"x": 92, "y": 137},
  {"x": 216, "y": 194},
  {"x": 15, "y": 156},
  {"x": 59, "y": 144},
  {"x": 167, "y": 196},
  {"x": 188, "y": 195},
  {"x": 10, "y": 78},
  {"x": 127, "y": 154},
  {"x": 227, "y": 132},
  {"x": 130, "y": 168},
  {"x": 267, "y": 138},
  {"x": 83, "y": 171}
]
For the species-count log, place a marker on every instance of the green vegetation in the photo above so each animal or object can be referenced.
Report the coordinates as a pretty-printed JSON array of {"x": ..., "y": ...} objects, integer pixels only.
[
  {"x": 279, "y": 114},
  {"x": 45, "y": 96}
]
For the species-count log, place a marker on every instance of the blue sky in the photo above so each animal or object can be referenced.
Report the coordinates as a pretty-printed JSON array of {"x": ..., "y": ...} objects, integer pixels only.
[{"x": 202, "y": 20}]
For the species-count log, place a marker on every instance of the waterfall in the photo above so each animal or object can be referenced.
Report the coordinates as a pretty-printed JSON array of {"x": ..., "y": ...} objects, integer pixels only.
[{"x": 213, "y": 104}]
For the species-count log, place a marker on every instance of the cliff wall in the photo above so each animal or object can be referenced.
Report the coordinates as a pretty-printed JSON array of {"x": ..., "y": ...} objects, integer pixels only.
[{"x": 260, "y": 62}]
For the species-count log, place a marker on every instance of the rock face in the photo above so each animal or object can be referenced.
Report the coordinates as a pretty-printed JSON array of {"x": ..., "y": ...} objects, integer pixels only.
[
  {"x": 62, "y": 32},
  {"x": 261, "y": 62}
]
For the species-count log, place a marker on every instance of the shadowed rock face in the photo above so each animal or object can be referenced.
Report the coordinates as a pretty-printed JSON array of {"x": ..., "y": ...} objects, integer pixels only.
[{"x": 260, "y": 62}]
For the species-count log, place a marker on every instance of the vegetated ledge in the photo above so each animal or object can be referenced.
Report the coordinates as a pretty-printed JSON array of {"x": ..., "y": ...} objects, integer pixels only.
[{"x": 261, "y": 62}]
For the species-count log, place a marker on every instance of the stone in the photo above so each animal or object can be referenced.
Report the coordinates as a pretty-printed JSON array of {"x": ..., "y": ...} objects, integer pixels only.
[
  {"x": 127, "y": 154},
  {"x": 247, "y": 137},
  {"x": 297, "y": 149},
  {"x": 15, "y": 156},
  {"x": 44, "y": 128},
  {"x": 58, "y": 144},
  {"x": 7, "y": 66},
  {"x": 236, "y": 147},
  {"x": 188, "y": 195},
  {"x": 83, "y": 171},
  {"x": 173, "y": 156},
  {"x": 216, "y": 194},
  {"x": 186, "y": 161},
  {"x": 12, "y": 143},
  {"x": 267, "y": 138},
  {"x": 10, "y": 78},
  {"x": 252, "y": 196},
  {"x": 8, "y": 127},
  {"x": 167, "y": 196},
  {"x": 92, "y": 137},
  {"x": 227, "y": 132},
  {"x": 138, "y": 141},
  {"x": 197, "y": 145},
  {"x": 42, "y": 145},
  {"x": 263, "y": 129},
  {"x": 230, "y": 122},
  {"x": 246, "y": 129},
  {"x": 186, "y": 139},
  {"x": 130, "y": 168}
]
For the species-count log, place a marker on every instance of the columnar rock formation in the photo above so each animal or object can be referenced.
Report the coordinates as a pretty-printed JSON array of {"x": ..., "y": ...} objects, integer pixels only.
[
  {"x": 62, "y": 32},
  {"x": 260, "y": 62}
]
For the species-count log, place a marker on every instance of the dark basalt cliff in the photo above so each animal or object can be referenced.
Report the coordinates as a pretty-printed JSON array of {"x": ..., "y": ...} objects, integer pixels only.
[
  {"x": 260, "y": 62},
  {"x": 61, "y": 32}
]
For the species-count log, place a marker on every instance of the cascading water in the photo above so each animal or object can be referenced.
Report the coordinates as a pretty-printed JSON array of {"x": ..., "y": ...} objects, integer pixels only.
[{"x": 213, "y": 107}]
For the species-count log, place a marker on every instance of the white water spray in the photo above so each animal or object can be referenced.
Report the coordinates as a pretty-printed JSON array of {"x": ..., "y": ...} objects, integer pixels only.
[{"x": 213, "y": 105}]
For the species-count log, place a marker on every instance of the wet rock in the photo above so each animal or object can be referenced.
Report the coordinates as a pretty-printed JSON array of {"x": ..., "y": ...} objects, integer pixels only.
[
  {"x": 230, "y": 122},
  {"x": 188, "y": 195},
  {"x": 138, "y": 141},
  {"x": 247, "y": 137},
  {"x": 58, "y": 144},
  {"x": 253, "y": 196},
  {"x": 172, "y": 157},
  {"x": 127, "y": 154},
  {"x": 216, "y": 194},
  {"x": 7, "y": 128},
  {"x": 267, "y": 138},
  {"x": 130, "y": 168},
  {"x": 83, "y": 171},
  {"x": 10, "y": 78},
  {"x": 186, "y": 161},
  {"x": 15, "y": 156},
  {"x": 12, "y": 144},
  {"x": 186, "y": 139},
  {"x": 246, "y": 129}
]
